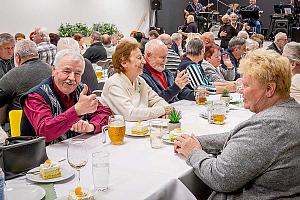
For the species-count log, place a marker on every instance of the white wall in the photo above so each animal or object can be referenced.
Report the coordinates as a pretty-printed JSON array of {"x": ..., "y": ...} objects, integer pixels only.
[{"x": 24, "y": 15}]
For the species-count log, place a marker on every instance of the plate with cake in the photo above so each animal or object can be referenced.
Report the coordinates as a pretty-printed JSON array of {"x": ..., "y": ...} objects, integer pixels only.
[
  {"x": 138, "y": 129},
  {"x": 49, "y": 172},
  {"x": 170, "y": 138}
]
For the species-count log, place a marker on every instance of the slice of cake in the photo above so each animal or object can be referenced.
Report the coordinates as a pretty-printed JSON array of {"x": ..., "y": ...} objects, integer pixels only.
[
  {"x": 80, "y": 194},
  {"x": 50, "y": 169},
  {"x": 174, "y": 134},
  {"x": 140, "y": 128}
]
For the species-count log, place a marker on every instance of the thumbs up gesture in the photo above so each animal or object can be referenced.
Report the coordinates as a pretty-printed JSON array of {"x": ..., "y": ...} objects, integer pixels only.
[{"x": 86, "y": 103}]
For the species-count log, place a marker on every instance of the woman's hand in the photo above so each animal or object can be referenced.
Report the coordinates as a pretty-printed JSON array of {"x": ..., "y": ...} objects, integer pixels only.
[{"x": 185, "y": 144}]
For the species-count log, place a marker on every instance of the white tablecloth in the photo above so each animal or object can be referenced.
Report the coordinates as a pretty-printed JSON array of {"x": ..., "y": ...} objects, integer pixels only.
[{"x": 136, "y": 170}]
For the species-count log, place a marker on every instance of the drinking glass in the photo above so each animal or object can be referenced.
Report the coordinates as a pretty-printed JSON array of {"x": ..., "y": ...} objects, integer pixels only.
[
  {"x": 156, "y": 134},
  {"x": 100, "y": 170},
  {"x": 77, "y": 155},
  {"x": 116, "y": 129},
  {"x": 218, "y": 112},
  {"x": 201, "y": 95},
  {"x": 99, "y": 72}
]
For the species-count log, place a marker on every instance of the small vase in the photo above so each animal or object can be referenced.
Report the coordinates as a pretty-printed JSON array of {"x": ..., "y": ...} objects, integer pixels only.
[
  {"x": 226, "y": 99},
  {"x": 172, "y": 126}
]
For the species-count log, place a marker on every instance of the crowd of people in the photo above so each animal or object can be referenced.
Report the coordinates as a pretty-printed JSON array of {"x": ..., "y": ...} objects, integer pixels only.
[{"x": 52, "y": 81}]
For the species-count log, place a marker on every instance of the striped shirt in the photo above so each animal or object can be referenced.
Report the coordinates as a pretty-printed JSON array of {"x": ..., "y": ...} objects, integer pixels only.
[
  {"x": 47, "y": 52},
  {"x": 173, "y": 60}
]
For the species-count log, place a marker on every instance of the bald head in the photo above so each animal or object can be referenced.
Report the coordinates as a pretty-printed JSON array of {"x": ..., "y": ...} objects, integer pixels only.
[
  {"x": 208, "y": 38},
  {"x": 166, "y": 39}
]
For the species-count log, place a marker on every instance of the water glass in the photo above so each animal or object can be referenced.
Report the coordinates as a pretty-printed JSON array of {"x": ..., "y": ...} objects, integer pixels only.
[
  {"x": 218, "y": 112},
  {"x": 100, "y": 170},
  {"x": 156, "y": 134},
  {"x": 200, "y": 95}
]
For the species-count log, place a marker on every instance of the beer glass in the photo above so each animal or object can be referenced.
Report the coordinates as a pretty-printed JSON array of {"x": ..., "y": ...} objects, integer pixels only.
[
  {"x": 200, "y": 95},
  {"x": 116, "y": 129},
  {"x": 99, "y": 72},
  {"x": 218, "y": 112}
]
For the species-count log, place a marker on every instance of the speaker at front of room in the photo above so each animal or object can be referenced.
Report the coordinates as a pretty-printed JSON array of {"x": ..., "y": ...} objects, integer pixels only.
[
  {"x": 156, "y": 4},
  {"x": 296, "y": 34},
  {"x": 281, "y": 25}
]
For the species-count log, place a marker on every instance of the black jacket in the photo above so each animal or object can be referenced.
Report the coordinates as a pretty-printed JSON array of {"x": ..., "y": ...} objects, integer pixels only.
[
  {"x": 274, "y": 47},
  {"x": 95, "y": 52}
]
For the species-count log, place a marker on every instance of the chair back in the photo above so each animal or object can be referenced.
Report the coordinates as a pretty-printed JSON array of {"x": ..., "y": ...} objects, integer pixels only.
[{"x": 15, "y": 122}]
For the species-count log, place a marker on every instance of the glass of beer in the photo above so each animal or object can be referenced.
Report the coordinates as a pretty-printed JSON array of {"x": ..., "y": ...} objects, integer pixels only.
[
  {"x": 116, "y": 129},
  {"x": 200, "y": 95},
  {"x": 218, "y": 112},
  {"x": 99, "y": 72}
]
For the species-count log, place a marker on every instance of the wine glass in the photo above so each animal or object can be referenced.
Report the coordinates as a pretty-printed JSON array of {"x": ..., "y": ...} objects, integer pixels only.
[
  {"x": 77, "y": 155},
  {"x": 239, "y": 87}
]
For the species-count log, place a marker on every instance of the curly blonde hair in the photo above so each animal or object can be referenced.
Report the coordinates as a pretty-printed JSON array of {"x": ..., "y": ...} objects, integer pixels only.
[{"x": 268, "y": 66}]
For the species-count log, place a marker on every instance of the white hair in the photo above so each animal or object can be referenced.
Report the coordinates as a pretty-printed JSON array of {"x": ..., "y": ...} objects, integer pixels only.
[
  {"x": 68, "y": 43},
  {"x": 279, "y": 36},
  {"x": 43, "y": 33},
  {"x": 26, "y": 49},
  {"x": 176, "y": 36},
  {"x": 76, "y": 56},
  {"x": 153, "y": 44}
]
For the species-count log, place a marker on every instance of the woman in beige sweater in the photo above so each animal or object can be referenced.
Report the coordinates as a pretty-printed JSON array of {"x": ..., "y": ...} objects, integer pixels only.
[{"x": 128, "y": 94}]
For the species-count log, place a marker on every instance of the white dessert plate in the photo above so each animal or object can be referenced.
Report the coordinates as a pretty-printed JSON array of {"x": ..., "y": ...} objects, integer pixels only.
[
  {"x": 166, "y": 138},
  {"x": 36, "y": 177},
  {"x": 31, "y": 192},
  {"x": 136, "y": 135}
]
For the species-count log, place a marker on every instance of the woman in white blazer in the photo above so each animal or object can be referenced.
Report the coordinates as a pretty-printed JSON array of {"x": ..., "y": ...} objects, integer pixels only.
[{"x": 126, "y": 93}]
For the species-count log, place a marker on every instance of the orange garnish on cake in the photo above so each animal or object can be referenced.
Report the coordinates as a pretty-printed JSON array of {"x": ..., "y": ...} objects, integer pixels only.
[
  {"x": 48, "y": 161},
  {"x": 78, "y": 191}
]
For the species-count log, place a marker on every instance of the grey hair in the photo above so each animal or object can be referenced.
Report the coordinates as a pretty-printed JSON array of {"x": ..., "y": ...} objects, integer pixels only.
[
  {"x": 6, "y": 38},
  {"x": 165, "y": 38},
  {"x": 96, "y": 36},
  {"x": 176, "y": 36},
  {"x": 279, "y": 36},
  {"x": 251, "y": 45},
  {"x": 243, "y": 34},
  {"x": 43, "y": 33},
  {"x": 68, "y": 43},
  {"x": 76, "y": 56},
  {"x": 152, "y": 45},
  {"x": 236, "y": 42},
  {"x": 26, "y": 49},
  {"x": 292, "y": 51},
  {"x": 195, "y": 46}
]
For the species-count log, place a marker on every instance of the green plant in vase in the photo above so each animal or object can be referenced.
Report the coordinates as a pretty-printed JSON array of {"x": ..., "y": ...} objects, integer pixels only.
[
  {"x": 225, "y": 96},
  {"x": 174, "y": 119}
]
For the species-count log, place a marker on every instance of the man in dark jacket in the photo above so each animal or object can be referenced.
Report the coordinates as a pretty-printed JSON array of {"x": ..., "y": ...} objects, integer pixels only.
[
  {"x": 96, "y": 51},
  {"x": 280, "y": 41},
  {"x": 160, "y": 79},
  {"x": 29, "y": 72}
]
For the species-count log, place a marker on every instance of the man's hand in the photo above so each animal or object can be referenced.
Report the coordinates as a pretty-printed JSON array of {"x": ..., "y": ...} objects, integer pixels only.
[
  {"x": 185, "y": 144},
  {"x": 86, "y": 104},
  {"x": 223, "y": 34},
  {"x": 168, "y": 109},
  {"x": 82, "y": 127},
  {"x": 227, "y": 61},
  {"x": 182, "y": 79}
]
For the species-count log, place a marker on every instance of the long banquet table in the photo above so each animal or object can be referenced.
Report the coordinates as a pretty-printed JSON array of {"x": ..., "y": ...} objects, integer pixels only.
[{"x": 136, "y": 170}]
